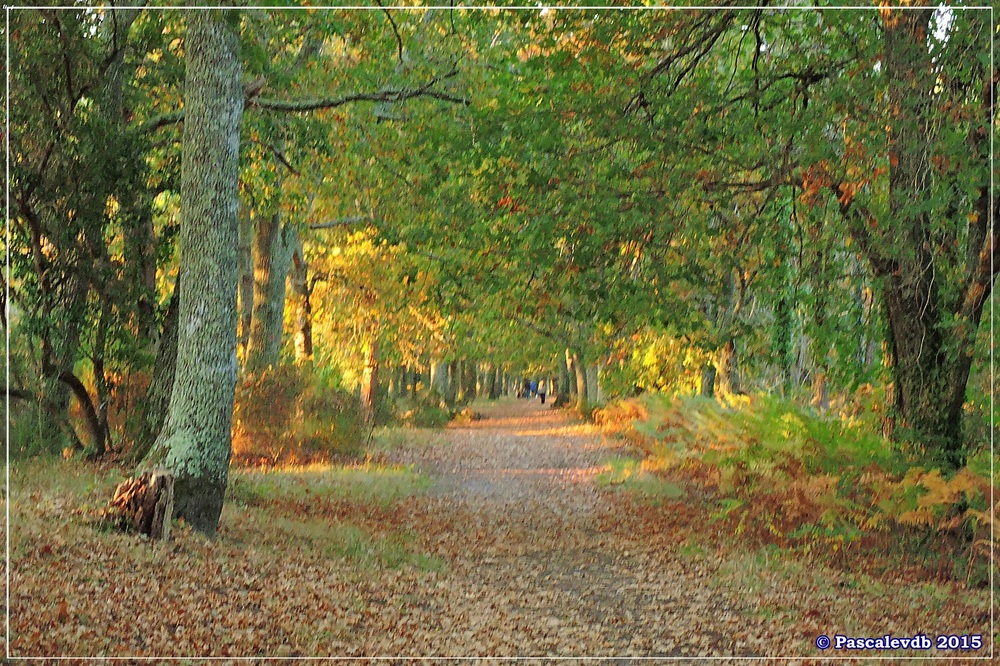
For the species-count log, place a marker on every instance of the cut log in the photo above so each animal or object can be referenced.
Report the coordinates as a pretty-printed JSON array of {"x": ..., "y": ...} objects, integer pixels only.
[{"x": 144, "y": 504}]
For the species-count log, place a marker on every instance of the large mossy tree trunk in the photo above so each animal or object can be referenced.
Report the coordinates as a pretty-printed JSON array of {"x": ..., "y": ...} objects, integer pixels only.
[
  {"x": 157, "y": 400},
  {"x": 195, "y": 443}
]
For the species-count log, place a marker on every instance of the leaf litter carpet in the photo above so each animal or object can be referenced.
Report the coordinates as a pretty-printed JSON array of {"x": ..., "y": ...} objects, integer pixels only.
[{"x": 536, "y": 561}]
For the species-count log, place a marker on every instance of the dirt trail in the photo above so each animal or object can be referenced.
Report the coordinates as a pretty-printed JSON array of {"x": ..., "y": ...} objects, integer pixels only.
[{"x": 540, "y": 561}]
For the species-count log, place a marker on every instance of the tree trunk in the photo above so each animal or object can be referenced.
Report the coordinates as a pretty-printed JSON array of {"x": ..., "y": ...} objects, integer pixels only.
[
  {"x": 245, "y": 293},
  {"x": 582, "y": 397},
  {"x": 933, "y": 314},
  {"x": 728, "y": 369},
  {"x": 273, "y": 245},
  {"x": 369, "y": 381},
  {"x": 594, "y": 384},
  {"x": 451, "y": 391},
  {"x": 439, "y": 379},
  {"x": 303, "y": 310},
  {"x": 195, "y": 443},
  {"x": 708, "y": 373},
  {"x": 493, "y": 382},
  {"x": 157, "y": 399},
  {"x": 469, "y": 380},
  {"x": 562, "y": 387},
  {"x": 572, "y": 388}
]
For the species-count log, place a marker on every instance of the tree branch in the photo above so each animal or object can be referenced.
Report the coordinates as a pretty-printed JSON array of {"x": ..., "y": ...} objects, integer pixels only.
[
  {"x": 300, "y": 106},
  {"x": 395, "y": 31},
  {"x": 341, "y": 222},
  {"x": 332, "y": 103}
]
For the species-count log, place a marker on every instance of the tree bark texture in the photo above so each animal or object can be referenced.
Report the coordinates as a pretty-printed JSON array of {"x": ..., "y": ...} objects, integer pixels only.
[
  {"x": 157, "y": 400},
  {"x": 195, "y": 443}
]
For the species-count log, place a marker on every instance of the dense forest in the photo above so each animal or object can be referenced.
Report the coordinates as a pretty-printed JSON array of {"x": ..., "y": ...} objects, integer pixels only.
[{"x": 251, "y": 236}]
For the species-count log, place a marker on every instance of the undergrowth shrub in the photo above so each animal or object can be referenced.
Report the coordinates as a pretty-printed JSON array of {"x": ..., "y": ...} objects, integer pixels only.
[
  {"x": 33, "y": 432},
  {"x": 787, "y": 475},
  {"x": 422, "y": 411},
  {"x": 285, "y": 415}
]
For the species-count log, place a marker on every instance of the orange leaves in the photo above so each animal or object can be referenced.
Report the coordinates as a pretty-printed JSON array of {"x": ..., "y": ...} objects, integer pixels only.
[
  {"x": 815, "y": 178},
  {"x": 508, "y": 202},
  {"x": 938, "y": 498}
]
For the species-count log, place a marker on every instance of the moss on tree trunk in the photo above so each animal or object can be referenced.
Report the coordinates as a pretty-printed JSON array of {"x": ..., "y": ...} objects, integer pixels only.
[{"x": 195, "y": 441}]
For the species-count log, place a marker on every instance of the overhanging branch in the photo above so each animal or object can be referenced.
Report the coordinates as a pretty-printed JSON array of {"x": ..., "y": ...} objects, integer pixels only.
[
  {"x": 302, "y": 106},
  {"x": 341, "y": 222}
]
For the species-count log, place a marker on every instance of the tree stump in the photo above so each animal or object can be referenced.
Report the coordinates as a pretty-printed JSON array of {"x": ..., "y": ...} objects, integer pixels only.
[{"x": 144, "y": 504}]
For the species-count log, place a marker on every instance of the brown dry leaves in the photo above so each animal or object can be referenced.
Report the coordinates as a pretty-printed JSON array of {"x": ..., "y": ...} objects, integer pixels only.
[{"x": 538, "y": 562}]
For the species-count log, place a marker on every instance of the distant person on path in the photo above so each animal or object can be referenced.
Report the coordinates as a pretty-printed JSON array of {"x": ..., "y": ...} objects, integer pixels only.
[
  {"x": 533, "y": 389},
  {"x": 541, "y": 390},
  {"x": 526, "y": 389}
]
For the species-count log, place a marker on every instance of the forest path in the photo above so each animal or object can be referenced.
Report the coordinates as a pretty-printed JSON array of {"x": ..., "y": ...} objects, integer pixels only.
[{"x": 540, "y": 561}]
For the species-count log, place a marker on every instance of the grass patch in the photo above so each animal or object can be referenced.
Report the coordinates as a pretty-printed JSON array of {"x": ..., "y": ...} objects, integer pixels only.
[
  {"x": 367, "y": 551},
  {"x": 379, "y": 485},
  {"x": 385, "y": 440},
  {"x": 633, "y": 476}
]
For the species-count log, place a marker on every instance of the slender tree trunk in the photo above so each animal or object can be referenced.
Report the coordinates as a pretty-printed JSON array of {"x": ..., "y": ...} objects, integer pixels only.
[
  {"x": 439, "y": 378},
  {"x": 562, "y": 388},
  {"x": 369, "y": 381},
  {"x": 469, "y": 380},
  {"x": 493, "y": 382},
  {"x": 451, "y": 391},
  {"x": 594, "y": 384},
  {"x": 728, "y": 369},
  {"x": 572, "y": 390},
  {"x": 245, "y": 293},
  {"x": 708, "y": 373},
  {"x": 303, "y": 312},
  {"x": 273, "y": 245},
  {"x": 195, "y": 443},
  {"x": 582, "y": 398}
]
